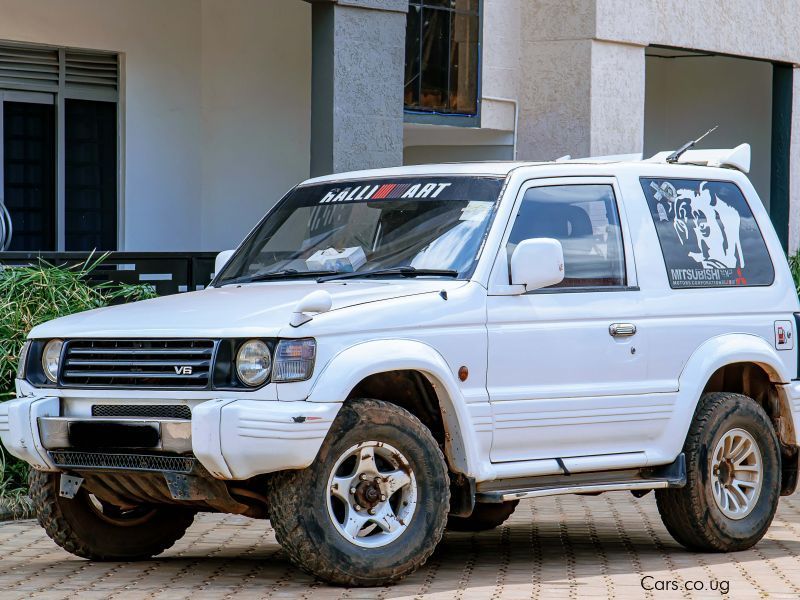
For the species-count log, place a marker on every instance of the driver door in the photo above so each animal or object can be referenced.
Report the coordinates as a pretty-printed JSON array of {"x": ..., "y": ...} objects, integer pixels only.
[{"x": 567, "y": 366}]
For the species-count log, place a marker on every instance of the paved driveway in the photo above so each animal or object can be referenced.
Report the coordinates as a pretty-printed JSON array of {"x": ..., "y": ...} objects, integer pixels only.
[{"x": 563, "y": 547}]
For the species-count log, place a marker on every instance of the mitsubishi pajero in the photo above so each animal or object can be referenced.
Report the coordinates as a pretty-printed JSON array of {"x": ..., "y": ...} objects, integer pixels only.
[{"x": 393, "y": 352}]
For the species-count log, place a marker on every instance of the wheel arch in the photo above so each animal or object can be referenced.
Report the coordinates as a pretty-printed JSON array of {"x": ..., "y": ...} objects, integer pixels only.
[
  {"x": 371, "y": 368},
  {"x": 744, "y": 364}
]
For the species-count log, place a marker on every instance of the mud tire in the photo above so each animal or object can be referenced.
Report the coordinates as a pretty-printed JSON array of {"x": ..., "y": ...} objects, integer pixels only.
[
  {"x": 691, "y": 514},
  {"x": 79, "y": 529},
  {"x": 298, "y": 500}
]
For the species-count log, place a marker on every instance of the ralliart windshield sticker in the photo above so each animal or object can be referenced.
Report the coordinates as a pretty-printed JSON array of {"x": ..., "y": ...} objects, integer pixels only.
[
  {"x": 483, "y": 189},
  {"x": 386, "y": 190},
  {"x": 707, "y": 233}
]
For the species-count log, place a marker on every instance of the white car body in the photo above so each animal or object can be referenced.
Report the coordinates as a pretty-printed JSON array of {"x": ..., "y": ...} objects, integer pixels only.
[{"x": 548, "y": 389}]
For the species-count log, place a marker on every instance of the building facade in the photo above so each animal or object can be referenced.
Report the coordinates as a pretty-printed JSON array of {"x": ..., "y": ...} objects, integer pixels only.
[{"x": 152, "y": 125}]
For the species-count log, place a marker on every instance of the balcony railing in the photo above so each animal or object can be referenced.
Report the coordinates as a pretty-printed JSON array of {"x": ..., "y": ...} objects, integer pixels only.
[{"x": 167, "y": 272}]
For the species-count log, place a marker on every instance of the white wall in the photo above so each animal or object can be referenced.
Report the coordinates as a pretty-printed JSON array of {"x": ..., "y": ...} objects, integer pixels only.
[
  {"x": 756, "y": 28},
  {"x": 160, "y": 42},
  {"x": 256, "y": 107},
  {"x": 687, "y": 96},
  {"x": 215, "y": 105}
]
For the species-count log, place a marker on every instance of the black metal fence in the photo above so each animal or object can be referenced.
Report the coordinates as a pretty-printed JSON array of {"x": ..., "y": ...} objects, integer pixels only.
[{"x": 167, "y": 272}]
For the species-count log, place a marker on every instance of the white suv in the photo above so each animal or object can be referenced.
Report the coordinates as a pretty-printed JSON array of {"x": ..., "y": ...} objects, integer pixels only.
[{"x": 393, "y": 352}]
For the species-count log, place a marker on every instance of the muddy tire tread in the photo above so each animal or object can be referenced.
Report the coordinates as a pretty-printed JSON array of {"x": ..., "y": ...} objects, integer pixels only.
[
  {"x": 678, "y": 507},
  {"x": 284, "y": 487},
  {"x": 45, "y": 501}
]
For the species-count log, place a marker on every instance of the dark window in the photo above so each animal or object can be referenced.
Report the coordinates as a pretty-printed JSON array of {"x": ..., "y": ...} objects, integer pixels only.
[
  {"x": 442, "y": 56},
  {"x": 90, "y": 175},
  {"x": 59, "y": 148},
  {"x": 585, "y": 220},
  {"x": 707, "y": 233},
  {"x": 29, "y": 173}
]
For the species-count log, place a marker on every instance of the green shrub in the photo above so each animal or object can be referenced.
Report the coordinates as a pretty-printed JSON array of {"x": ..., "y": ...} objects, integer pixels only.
[
  {"x": 794, "y": 265},
  {"x": 32, "y": 295}
]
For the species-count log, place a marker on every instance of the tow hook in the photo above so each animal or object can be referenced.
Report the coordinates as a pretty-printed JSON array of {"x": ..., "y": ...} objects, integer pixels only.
[{"x": 69, "y": 486}]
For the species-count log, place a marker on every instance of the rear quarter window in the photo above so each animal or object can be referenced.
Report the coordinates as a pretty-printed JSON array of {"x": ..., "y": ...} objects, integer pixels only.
[{"x": 708, "y": 235}]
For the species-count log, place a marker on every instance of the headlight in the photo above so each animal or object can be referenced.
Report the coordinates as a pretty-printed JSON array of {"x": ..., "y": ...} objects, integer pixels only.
[
  {"x": 51, "y": 357},
  {"x": 294, "y": 360},
  {"x": 253, "y": 363},
  {"x": 23, "y": 359}
]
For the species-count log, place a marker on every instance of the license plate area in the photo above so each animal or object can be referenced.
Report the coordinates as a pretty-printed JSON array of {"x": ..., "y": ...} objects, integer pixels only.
[{"x": 100, "y": 435}]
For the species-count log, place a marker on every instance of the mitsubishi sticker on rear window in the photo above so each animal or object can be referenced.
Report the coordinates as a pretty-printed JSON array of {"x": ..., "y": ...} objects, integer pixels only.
[{"x": 708, "y": 234}]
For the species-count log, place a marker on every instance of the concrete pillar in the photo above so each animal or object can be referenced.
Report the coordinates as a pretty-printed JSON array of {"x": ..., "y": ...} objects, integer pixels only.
[
  {"x": 578, "y": 95},
  {"x": 794, "y": 168},
  {"x": 357, "y": 84}
]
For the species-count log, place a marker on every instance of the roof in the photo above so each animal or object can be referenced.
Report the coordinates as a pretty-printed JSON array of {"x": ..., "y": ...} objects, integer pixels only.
[
  {"x": 736, "y": 158},
  {"x": 497, "y": 168}
]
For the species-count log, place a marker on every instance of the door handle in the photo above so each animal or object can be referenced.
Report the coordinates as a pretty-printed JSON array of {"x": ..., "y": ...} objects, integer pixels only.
[{"x": 622, "y": 329}]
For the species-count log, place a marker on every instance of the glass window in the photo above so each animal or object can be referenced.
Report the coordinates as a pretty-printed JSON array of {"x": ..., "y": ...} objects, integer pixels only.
[
  {"x": 91, "y": 175},
  {"x": 58, "y": 147},
  {"x": 29, "y": 169},
  {"x": 442, "y": 56},
  {"x": 707, "y": 233},
  {"x": 428, "y": 223},
  {"x": 585, "y": 220}
]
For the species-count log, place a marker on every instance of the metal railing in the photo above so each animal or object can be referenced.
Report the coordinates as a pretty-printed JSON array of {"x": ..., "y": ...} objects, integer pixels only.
[{"x": 167, "y": 272}]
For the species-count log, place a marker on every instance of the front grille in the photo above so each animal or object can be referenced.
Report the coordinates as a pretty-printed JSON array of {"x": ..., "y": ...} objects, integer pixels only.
[
  {"x": 159, "y": 411},
  {"x": 137, "y": 363},
  {"x": 123, "y": 462}
]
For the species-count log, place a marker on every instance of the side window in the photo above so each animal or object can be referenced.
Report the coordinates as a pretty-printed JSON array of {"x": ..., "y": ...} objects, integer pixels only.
[
  {"x": 585, "y": 220},
  {"x": 708, "y": 234}
]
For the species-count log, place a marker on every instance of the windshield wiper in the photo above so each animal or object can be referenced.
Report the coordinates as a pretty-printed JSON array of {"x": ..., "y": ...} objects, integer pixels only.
[
  {"x": 401, "y": 271},
  {"x": 281, "y": 274}
]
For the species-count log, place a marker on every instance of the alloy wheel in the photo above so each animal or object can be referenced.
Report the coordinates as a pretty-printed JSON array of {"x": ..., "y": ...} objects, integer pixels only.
[{"x": 372, "y": 494}]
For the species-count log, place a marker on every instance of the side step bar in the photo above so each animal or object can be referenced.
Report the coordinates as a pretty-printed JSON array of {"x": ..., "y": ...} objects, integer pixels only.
[{"x": 648, "y": 478}]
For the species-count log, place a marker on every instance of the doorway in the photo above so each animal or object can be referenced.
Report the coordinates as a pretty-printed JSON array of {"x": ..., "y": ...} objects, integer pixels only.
[
  {"x": 688, "y": 92},
  {"x": 27, "y": 177}
]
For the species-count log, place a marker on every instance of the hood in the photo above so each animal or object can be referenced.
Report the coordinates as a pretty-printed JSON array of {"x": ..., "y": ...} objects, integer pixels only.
[{"x": 259, "y": 309}]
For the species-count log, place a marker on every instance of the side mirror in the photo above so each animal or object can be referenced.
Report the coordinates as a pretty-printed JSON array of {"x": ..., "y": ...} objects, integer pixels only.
[
  {"x": 222, "y": 260},
  {"x": 537, "y": 263}
]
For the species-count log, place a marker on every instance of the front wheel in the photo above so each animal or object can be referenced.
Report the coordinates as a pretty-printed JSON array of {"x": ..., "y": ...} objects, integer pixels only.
[
  {"x": 92, "y": 528},
  {"x": 372, "y": 507},
  {"x": 733, "y": 477}
]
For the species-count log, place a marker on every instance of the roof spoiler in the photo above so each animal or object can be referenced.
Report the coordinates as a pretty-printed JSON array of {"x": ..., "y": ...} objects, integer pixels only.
[{"x": 730, "y": 158}]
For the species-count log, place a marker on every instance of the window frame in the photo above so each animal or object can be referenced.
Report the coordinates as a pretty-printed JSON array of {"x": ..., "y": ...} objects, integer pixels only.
[
  {"x": 500, "y": 276},
  {"x": 431, "y": 117},
  {"x": 747, "y": 203},
  {"x": 60, "y": 92}
]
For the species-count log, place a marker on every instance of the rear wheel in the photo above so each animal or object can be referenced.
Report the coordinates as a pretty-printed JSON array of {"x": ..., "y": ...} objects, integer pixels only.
[
  {"x": 92, "y": 528},
  {"x": 372, "y": 507},
  {"x": 733, "y": 477},
  {"x": 484, "y": 517}
]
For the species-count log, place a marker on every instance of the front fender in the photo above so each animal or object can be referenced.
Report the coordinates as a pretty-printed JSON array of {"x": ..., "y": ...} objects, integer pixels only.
[
  {"x": 706, "y": 359},
  {"x": 357, "y": 362}
]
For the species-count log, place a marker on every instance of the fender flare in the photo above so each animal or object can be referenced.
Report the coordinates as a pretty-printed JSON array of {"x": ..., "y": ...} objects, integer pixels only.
[
  {"x": 711, "y": 355},
  {"x": 347, "y": 368}
]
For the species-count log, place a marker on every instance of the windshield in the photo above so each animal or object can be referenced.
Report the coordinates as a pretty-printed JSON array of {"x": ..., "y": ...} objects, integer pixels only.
[{"x": 431, "y": 226}]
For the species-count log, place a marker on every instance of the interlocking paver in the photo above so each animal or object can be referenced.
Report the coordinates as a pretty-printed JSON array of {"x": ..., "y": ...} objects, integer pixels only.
[{"x": 563, "y": 547}]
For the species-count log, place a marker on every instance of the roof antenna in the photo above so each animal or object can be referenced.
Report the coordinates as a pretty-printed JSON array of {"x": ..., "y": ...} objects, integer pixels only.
[{"x": 673, "y": 158}]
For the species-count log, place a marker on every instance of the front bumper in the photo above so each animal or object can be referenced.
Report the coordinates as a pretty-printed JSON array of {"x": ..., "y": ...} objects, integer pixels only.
[{"x": 232, "y": 438}]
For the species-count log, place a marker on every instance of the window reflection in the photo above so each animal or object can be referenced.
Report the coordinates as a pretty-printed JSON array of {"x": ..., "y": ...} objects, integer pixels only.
[{"x": 442, "y": 56}]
